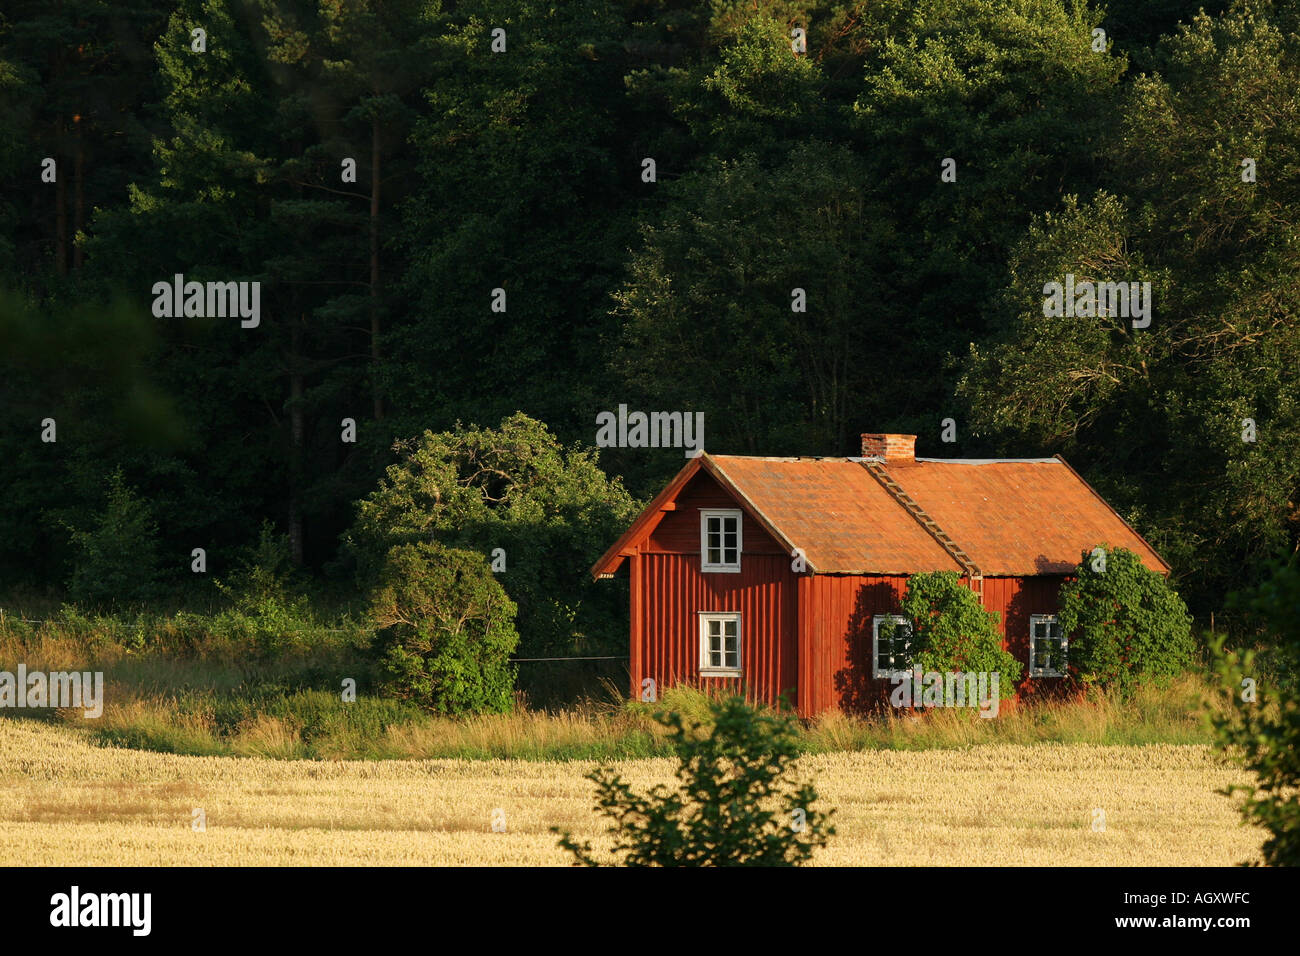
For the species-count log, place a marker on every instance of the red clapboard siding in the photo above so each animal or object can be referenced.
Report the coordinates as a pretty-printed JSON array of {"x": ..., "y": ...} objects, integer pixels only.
[
  {"x": 839, "y": 609},
  {"x": 674, "y": 592},
  {"x": 1015, "y": 599}
]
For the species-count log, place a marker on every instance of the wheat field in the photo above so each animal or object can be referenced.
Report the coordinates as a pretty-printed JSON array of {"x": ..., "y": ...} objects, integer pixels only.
[{"x": 64, "y": 801}]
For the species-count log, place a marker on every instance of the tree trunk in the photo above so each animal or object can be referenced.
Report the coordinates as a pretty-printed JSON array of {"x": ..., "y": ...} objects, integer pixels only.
[
  {"x": 297, "y": 433},
  {"x": 60, "y": 210},
  {"x": 79, "y": 197},
  {"x": 374, "y": 268}
]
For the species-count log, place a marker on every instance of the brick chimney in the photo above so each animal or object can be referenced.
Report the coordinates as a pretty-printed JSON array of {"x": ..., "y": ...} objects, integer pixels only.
[{"x": 889, "y": 447}]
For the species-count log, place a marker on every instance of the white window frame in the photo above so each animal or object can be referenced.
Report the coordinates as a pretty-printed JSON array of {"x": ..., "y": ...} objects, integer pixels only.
[
  {"x": 875, "y": 644},
  {"x": 707, "y": 669},
  {"x": 1065, "y": 647},
  {"x": 723, "y": 567}
]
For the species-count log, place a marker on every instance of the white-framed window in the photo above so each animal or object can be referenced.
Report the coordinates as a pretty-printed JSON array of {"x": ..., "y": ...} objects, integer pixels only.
[
  {"x": 1048, "y": 647},
  {"x": 891, "y": 653},
  {"x": 720, "y": 543},
  {"x": 719, "y": 644}
]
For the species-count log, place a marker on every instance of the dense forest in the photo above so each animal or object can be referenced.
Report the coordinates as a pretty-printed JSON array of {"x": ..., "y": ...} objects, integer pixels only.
[{"x": 458, "y": 211}]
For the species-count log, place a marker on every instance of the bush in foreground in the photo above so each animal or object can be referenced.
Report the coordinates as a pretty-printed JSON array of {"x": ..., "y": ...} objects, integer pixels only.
[
  {"x": 736, "y": 804},
  {"x": 1262, "y": 725}
]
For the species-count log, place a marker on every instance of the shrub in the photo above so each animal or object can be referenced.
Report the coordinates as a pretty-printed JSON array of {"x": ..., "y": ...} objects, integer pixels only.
[
  {"x": 736, "y": 804},
  {"x": 952, "y": 632},
  {"x": 1263, "y": 727},
  {"x": 1124, "y": 622},
  {"x": 269, "y": 613},
  {"x": 446, "y": 630},
  {"x": 117, "y": 559},
  {"x": 549, "y": 508}
]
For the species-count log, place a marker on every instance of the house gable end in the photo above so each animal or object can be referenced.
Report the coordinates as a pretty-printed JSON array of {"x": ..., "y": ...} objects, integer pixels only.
[{"x": 667, "y": 503}]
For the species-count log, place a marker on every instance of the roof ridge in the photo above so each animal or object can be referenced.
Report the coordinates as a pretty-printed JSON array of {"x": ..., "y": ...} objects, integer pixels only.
[{"x": 922, "y": 517}]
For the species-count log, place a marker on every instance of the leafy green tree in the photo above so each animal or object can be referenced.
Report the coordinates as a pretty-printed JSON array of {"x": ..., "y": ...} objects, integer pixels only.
[
  {"x": 705, "y": 275},
  {"x": 1124, "y": 622},
  {"x": 84, "y": 366},
  {"x": 549, "y": 509},
  {"x": 78, "y": 85},
  {"x": 269, "y": 608},
  {"x": 952, "y": 632},
  {"x": 117, "y": 559},
  {"x": 526, "y": 179},
  {"x": 1191, "y": 425},
  {"x": 736, "y": 803},
  {"x": 446, "y": 630},
  {"x": 1014, "y": 94},
  {"x": 204, "y": 211},
  {"x": 1261, "y": 725}
]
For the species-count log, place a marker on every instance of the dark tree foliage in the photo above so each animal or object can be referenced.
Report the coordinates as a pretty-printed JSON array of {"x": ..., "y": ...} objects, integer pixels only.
[{"x": 777, "y": 168}]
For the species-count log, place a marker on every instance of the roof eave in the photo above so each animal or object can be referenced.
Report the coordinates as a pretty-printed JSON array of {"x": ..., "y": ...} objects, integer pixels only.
[
  {"x": 716, "y": 471},
  {"x": 609, "y": 562}
]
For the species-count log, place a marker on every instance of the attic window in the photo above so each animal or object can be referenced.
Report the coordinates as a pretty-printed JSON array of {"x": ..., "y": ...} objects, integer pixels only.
[
  {"x": 720, "y": 543},
  {"x": 719, "y": 644},
  {"x": 1047, "y": 646},
  {"x": 891, "y": 648}
]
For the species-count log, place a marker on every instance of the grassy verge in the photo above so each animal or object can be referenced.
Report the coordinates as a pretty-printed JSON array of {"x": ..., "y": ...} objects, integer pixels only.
[{"x": 226, "y": 686}]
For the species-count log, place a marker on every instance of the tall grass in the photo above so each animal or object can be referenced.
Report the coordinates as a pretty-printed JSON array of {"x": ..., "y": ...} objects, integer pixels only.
[{"x": 221, "y": 685}]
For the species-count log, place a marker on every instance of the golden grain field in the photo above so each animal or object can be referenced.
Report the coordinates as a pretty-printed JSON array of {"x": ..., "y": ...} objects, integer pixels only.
[{"x": 66, "y": 802}]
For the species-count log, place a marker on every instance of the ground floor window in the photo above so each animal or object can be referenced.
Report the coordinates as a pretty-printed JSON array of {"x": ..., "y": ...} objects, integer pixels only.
[
  {"x": 891, "y": 644},
  {"x": 719, "y": 644},
  {"x": 1047, "y": 646}
]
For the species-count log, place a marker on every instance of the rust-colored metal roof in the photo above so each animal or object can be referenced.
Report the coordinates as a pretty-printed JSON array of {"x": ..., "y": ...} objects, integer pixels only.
[
  {"x": 1018, "y": 518},
  {"x": 843, "y": 519}
]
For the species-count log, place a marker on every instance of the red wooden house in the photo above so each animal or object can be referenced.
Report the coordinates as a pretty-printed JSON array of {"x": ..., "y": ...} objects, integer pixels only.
[{"x": 775, "y": 574}]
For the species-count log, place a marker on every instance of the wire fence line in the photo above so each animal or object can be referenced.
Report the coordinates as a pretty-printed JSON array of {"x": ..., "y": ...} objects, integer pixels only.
[{"x": 525, "y": 660}]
